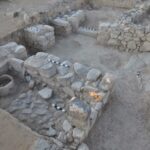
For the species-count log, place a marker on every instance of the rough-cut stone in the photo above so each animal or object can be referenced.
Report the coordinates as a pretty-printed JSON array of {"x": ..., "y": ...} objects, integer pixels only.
[
  {"x": 21, "y": 52},
  {"x": 146, "y": 47},
  {"x": 66, "y": 126},
  {"x": 131, "y": 45},
  {"x": 83, "y": 146},
  {"x": 40, "y": 37},
  {"x": 47, "y": 71},
  {"x": 79, "y": 112},
  {"x": 76, "y": 86},
  {"x": 76, "y": 19},
  {"x": 107, "y": 82},
  {"x": 93, "y": 74},
  {"x": 66, "y": 79},
  {"x": 78, "y": 133},
  {"x": 51, "y": 132},
  {"x": 62, "y": 27},
  {"x": 45, "y": 93},
  {"x": 81, "y": 70},
  {"x": 17, "y": 65},
  {"x": 13, "y": 50}
]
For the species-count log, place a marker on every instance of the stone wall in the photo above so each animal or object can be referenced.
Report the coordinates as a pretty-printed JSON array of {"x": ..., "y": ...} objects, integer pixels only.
[
  {"x": 114, "y": 3},
  {"x": 85, "y": 91},
  {"x": 25, "y": 18},
  {"x": 127, "y": 34}
]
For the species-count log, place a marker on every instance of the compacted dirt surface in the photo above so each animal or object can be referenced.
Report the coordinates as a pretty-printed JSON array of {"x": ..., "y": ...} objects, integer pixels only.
[{"x": 125, "y": 124}]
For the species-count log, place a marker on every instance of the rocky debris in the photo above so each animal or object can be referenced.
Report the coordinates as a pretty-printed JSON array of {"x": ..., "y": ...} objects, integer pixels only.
[
  {"x": 45, "y": 93},
  {"x": 40, "y": 37},
  {"x": 83, "y": 146}
]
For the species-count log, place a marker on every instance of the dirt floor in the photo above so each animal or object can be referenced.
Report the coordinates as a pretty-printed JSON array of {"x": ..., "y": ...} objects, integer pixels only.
[{"x": 125, "y": 123}]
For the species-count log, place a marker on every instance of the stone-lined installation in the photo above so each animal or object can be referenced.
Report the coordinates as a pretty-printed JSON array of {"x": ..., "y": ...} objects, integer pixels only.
[
  {"x": 127, "y": 34},
  {"x": 39, "y": 37},
  {"x": 64, "y": 98}
]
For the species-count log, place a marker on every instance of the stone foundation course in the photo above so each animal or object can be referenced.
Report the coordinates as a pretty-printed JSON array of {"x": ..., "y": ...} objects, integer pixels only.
[{"x": 128, "y": 34}]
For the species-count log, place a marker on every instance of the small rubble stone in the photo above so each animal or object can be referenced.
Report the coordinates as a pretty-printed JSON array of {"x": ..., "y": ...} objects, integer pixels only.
[
  {"x": 78, "y": 133},
  {"x": 81, "y": 70},
  {"x": 45, "y": 93},
  {"x": 31, "y": 84},
  {"x": 62, "y": 137},
  {"x": 62, "y": 27},
  {"x": 107, "y": 82},
  {"x": 131, "y": 45},
  {"x": 69, "y": 137},
  {"x": 93, "y": 74},
  {"x": 66, "y": 126},
  {"x": 83, "y": 146},
  {"x": 146, "y": 46},
  {"x": 51, "y": 132},
  {"x": 76, "y": 86}
]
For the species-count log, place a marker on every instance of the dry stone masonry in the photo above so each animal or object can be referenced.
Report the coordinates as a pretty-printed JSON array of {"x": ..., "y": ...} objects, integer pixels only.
[
  {"x": 128, "y": 34},
  {"x": 63, "y": 100}
]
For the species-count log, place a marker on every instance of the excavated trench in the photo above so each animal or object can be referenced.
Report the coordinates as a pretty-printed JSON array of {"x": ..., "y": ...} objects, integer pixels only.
[{"x": 124, "y": 124}]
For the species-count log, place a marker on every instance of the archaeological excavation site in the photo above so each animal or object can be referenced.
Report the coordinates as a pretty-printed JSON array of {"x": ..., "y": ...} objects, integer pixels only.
[{"x": 75, "y": 75}]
